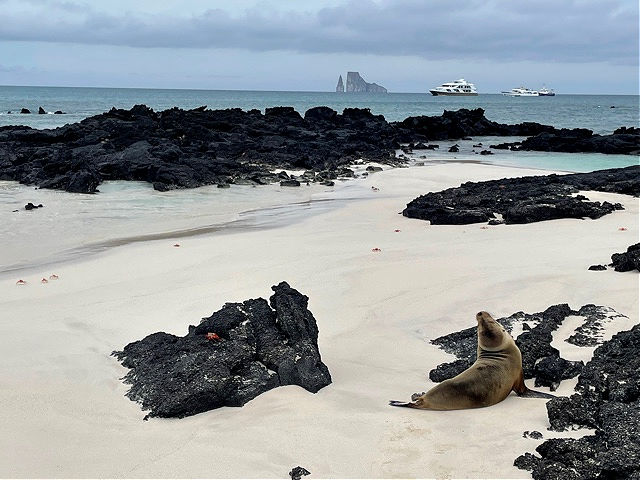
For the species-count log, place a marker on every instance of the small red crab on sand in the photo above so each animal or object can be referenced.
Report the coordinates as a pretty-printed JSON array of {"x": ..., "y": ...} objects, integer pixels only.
[
  {"x": 44, "y": 280},
  {"x": 376, "y": 249},
  {"x": 212, "y": 336},
  {"x": 53, "y": 277},
  {"x": 176, "y": 244},
  {"x": 623, "y": 229},
  {"x": 21, "y": 282},
  {"x": 396, "y": 230}
]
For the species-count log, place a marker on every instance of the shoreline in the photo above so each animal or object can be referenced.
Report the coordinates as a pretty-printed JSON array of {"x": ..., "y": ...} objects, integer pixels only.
[
  {"x": 375, "y": 313},
  {"x": 300, "y": 204}
]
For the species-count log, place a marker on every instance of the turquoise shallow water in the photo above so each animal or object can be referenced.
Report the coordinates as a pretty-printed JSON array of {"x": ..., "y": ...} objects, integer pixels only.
[{"x": 587, "y": 111}]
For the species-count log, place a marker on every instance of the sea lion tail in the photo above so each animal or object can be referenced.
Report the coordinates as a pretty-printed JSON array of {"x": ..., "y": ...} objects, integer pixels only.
[
  {"x": 396, "y": 403},
  {"x": 535, "y": 394}
]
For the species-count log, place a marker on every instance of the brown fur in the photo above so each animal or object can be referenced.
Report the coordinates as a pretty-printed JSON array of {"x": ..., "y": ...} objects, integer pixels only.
[{"x": 496, "y": 372}]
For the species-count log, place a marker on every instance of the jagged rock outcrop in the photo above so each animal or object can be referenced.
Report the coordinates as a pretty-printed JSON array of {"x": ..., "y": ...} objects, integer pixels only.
[
  {"x": 357, "y": 84},
  {"x": 190, "y": 148},
  {"x": 340, "y": 86},
  {"x": 526, "y": 199},
  {"x": 608, "y": 401},
  {"x": 231, "y": 357},
  {"x": 627, "y": 261}
]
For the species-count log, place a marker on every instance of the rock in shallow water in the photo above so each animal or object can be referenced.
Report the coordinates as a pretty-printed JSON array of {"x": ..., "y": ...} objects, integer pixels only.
[{"x": 237, "y": 353}]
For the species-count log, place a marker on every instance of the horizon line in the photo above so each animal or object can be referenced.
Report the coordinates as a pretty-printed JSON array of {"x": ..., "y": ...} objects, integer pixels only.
[{"x": 276, "y": 91}]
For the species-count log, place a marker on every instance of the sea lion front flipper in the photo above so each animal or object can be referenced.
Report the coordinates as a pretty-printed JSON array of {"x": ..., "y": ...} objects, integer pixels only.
[
  {"x": 535, "y": 394},
  {"x": 519, "y": 387},
  {"x": 396, "y": 403},
  {"x": 523, "y": 391}
]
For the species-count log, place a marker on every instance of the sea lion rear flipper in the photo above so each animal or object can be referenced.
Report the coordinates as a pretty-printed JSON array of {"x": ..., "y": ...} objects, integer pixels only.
[
  {"x": 396, "y": 403},
  {"x": 535, "y": 394}
]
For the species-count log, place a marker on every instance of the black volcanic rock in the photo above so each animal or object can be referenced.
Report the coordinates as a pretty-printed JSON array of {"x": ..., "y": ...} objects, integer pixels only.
[
  {"x": 41, "y": 111},
  {"x": 582, "y": 140},
  {"x": 551, "y": 370},
  {"x": 31, "y": 206},
  {"x": 627, "y": 261},
  {"x": 526, "y": 199},
  {"x": 179, "y": 148},
  {"x": 25, "y": 110},
  {"x": 292, "y": 182},
  {"x": 608, "y": 401},
  {"x": 297, "y": 473},
  {"x": 239, "y": 352},
  {"x": 464, "y": 123},
  {"x": 189, "y": 148},
  {"x": 597, "y": 267}
]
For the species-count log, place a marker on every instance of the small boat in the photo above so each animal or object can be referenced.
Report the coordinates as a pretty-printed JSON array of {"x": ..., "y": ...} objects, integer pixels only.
[
  {"x": 457, "y": 87},
  {"x": 546, "y": 92},
  {"x": 521, "y": 92}
]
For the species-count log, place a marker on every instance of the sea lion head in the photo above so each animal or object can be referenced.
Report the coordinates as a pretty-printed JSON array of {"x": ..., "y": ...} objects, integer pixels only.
[{"x": 491, "y": 335}]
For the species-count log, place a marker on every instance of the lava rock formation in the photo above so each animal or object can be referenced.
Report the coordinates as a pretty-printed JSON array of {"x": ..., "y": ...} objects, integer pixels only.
[{"x": 231, "y": 357}]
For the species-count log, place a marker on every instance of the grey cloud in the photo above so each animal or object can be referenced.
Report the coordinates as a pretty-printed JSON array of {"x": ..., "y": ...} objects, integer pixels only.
[{"x": 503, "y": 30}]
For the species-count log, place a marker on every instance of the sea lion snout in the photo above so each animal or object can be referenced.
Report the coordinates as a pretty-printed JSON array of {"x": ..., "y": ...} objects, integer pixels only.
[
  {"x": 490, "y": 332},
  {"x": 483, "y": 316}
]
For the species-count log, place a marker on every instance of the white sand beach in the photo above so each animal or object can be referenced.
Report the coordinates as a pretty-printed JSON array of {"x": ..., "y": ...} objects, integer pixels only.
[{"x": 64, "y": 413}]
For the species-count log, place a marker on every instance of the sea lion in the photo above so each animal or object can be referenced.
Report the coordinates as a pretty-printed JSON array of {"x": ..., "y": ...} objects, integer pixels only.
[{"x": 496, "y": 371}]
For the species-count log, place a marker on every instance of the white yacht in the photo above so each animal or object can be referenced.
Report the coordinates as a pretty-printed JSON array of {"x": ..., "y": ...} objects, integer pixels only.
[
  {"x": 521, "y": 92},
  {"x": 546, "y": 92},
  {"x": 457, "y": 87}
]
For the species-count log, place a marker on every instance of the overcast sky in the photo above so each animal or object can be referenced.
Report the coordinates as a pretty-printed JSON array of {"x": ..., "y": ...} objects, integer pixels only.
[{"x": 574, "y": 46}]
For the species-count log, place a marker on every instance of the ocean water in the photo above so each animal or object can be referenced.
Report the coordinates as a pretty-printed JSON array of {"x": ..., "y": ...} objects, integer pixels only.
[
  {"x": 73, "y": 225},
  {"x": 586, "y": 111}
]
